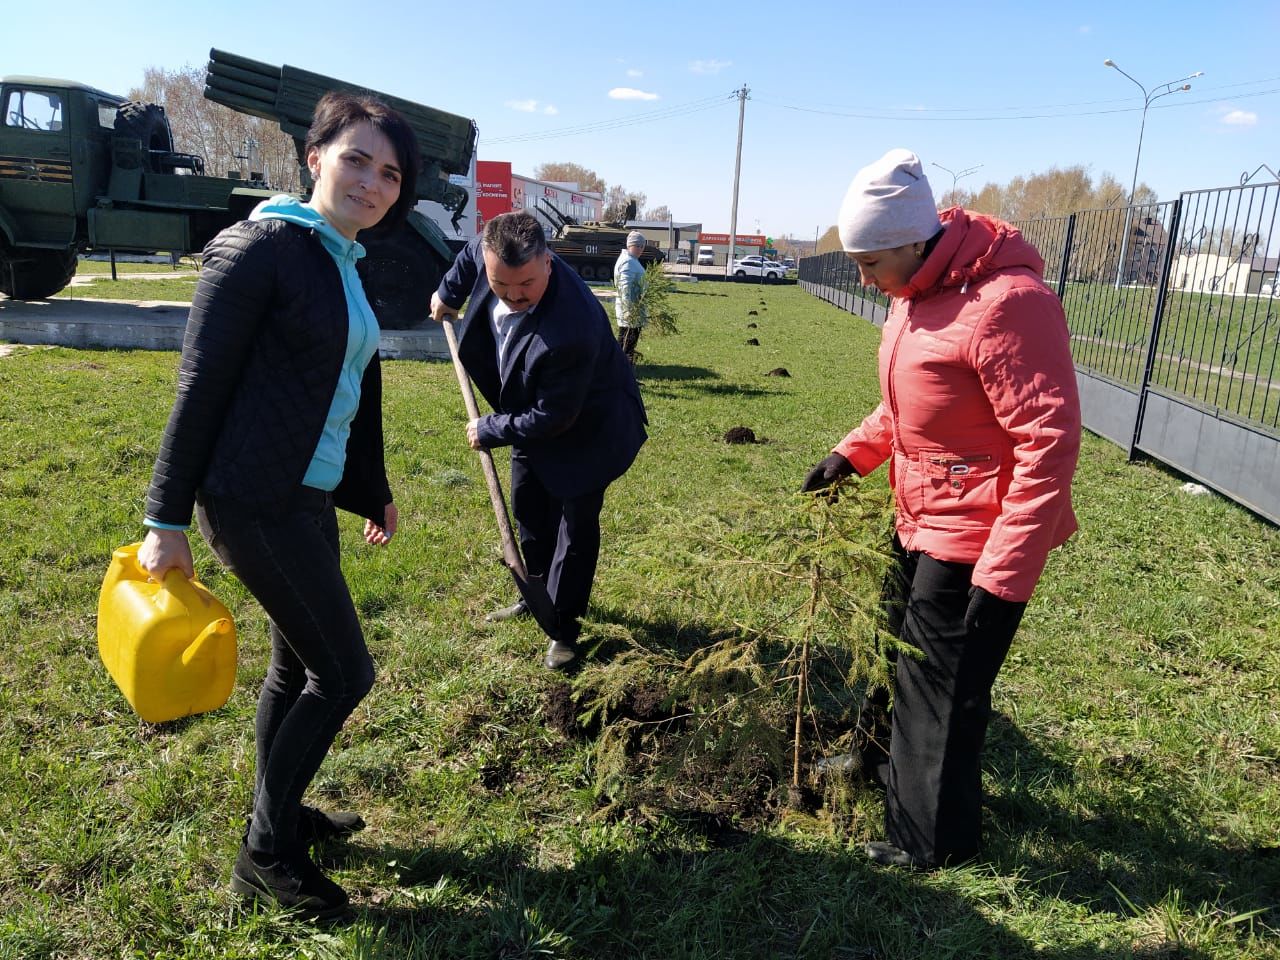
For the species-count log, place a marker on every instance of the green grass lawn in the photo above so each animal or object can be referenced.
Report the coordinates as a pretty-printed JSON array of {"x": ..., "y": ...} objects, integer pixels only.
[
  {"x": 87, "y": 267},
  {"x": 178, "y": 288},
  {"x": 1132, "y": 771}
]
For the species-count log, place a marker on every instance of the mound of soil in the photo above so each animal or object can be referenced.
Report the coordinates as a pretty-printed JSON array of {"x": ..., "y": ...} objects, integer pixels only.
[
  {"x": 740, "y": 435},
  {"x": 778, "y": 372},
  {"x": 753, "y": 342},
  {"x": 753, "y": 313},
  {"x": 643, "y": 704},
  {"x": 752, "y": 326},
  {"x": 560, "y": 711}
]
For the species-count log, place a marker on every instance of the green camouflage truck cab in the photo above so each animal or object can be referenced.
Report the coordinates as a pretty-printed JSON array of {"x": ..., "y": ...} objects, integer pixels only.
[{"x": 81, "y": 169}]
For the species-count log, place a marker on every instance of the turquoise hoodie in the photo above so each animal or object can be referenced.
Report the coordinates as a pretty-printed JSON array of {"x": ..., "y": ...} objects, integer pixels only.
[{"x": 325, "y": 470}]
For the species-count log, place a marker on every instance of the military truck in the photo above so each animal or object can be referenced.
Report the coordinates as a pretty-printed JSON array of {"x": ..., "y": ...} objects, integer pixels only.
[
  {"x": 82, "y": 170},
  {"x": 591, "y": 248}
]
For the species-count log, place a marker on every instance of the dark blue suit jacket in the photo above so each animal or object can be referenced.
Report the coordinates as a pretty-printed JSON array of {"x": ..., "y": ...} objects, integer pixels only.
[{"x": 566, "y": 397}]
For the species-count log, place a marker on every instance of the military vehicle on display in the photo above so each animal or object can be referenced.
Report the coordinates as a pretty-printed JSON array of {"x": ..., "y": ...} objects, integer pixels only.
[
  {"x": 592, "y": 248},
  {"x": 84, "y": 170}
]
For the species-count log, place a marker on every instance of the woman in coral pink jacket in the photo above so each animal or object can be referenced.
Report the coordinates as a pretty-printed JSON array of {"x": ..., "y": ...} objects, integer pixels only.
[{"x": 980, "y": 423}]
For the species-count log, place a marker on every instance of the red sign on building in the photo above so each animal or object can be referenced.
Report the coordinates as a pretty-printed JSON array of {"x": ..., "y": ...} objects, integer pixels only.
[
  {"x": 493, "y": 190},
  {"x": 722, "y": 239}
]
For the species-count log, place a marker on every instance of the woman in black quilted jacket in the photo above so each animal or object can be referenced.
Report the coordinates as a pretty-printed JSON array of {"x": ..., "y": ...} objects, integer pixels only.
[{"x": 278, "y": 421}]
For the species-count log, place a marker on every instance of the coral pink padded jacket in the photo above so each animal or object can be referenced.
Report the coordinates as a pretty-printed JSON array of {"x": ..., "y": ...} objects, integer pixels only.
[{"x": 980, "y": 413}]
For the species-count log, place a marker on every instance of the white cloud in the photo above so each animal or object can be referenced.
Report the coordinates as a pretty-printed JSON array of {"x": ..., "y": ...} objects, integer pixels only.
[
  {"x": 633, "y": 72},
  {"x": 630, "y": 93},
  {"x": 709, "y": 66},
  {"x": 1240, "y": 118},
  {"x": 531, "y": 106}
]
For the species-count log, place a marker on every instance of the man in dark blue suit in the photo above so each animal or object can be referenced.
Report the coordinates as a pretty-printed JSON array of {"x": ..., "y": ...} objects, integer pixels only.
[{"x": 540, "y": 349}]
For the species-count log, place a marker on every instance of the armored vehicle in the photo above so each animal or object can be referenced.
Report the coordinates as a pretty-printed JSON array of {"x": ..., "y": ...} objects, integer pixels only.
[
  {"x": 591, "y": 248},
  {"x": 81, "y": 169}
]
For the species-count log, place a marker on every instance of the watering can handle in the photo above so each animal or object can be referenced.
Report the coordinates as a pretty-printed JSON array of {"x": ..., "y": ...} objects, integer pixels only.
[{"x": 176, "y": 583}]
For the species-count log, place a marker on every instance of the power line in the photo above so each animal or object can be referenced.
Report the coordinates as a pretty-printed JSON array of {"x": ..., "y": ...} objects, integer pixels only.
[
  {"x": 1024, "y": 106},
  {"x": 923, "y": 114}
]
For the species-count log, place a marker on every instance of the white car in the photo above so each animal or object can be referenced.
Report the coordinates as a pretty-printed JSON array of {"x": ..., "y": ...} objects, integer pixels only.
[{"x": 758, "y": 267}]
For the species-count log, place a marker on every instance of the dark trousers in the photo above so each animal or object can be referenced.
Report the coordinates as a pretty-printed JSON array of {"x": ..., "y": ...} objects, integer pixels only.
[
  {"x": 941, "y": 706},
  {"x": 560, "y": 540},
  {"x": 320, "y": 669},
  {"x": 628, "y": 337}
]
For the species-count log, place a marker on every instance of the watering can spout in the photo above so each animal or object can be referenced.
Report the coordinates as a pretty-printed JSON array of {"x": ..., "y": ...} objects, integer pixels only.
[{"x": 202, "y": 646}]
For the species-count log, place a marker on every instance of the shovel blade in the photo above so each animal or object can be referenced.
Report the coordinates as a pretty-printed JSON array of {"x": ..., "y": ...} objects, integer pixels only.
[{"x": 533, "y": 591}]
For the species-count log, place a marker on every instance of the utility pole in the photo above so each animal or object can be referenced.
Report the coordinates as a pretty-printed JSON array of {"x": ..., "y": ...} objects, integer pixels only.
[{"x": 737, "y": 170}]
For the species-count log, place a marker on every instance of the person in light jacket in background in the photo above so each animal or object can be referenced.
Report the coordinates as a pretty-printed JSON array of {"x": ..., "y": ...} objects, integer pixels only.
[
  {"x": 278, "y": 420},
  {"x": 980, "y": 422},
  {"x": 628, "y": 278}
]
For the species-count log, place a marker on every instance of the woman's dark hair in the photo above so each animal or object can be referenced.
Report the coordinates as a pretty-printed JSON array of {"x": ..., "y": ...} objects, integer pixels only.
[
  {"x": 515, "y": 237},
  {"x": 335, "y": 112}
]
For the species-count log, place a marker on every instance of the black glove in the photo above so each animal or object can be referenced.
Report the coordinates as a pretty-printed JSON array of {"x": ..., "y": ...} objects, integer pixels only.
[
  {"x": 988, "y": 612},
  {"x": 833, "y": 468}
]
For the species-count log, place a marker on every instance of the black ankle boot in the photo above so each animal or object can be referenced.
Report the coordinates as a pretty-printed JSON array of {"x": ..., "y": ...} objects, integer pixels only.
[
  {"x": 291, "y": 881},
  {"x": 317, "y": 826}
]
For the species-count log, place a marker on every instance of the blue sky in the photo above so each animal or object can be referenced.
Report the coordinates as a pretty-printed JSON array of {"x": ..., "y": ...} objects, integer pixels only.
[{"x": 643, "y": 93}]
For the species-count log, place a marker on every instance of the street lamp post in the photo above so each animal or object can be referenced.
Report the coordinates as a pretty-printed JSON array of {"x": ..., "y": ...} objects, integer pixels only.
[
  {"x": 957, "y": 176},
  {"x": 1148, "y": 97}
]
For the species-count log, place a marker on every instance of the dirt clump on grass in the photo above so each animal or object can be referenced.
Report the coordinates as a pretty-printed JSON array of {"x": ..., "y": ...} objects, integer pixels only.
[
  {"x": 778, "y": 372},
  {"x": 647, "y": 703},
  {"x": 753, "y": 342},
  {"x": 740, "y": 435}
]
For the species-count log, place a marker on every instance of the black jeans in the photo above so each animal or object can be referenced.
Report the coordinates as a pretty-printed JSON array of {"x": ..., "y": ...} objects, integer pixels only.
[
  {"x": 560, "y": 540},
  {"x": 628, "y": 337},
  {"x": 320, "y": 668},
  {"x": 941, "y": 707}
]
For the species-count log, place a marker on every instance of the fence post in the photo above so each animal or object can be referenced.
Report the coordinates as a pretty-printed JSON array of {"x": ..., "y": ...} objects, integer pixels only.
[
  {"x": 1153, "y": 337},
  {"x": 1066, "y": 257}
]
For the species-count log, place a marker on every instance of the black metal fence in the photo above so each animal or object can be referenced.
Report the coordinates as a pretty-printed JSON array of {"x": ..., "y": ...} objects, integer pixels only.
[{"x": 1174, "y": 313}]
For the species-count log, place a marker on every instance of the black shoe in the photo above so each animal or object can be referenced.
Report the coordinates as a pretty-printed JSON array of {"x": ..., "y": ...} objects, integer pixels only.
[
  {"x": 292, "y": 882},
  {"x": 887, "y": 855},
  {"x": 317, "y": 826},
  {"x": 561, "y": 655},
  {"x": 518, "y": 609}
]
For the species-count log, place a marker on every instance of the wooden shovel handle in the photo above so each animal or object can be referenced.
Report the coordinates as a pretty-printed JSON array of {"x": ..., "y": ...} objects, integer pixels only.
[{"x": 510, "y": 553}]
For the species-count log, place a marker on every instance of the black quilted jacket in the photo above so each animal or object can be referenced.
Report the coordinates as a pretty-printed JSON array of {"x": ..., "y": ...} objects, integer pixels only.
[{"x": 260, "y": 362}]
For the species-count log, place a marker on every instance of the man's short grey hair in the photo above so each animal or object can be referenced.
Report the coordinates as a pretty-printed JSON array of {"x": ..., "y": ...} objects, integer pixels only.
[{"x": 516, "y": 238}]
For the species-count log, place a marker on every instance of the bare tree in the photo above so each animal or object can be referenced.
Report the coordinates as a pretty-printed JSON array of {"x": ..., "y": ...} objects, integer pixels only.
[
  {"x": 218, "y": 134},
  {"x": 658, "y": 213},
  {"x": 1054, "y": 193},
  {"x": 829, "y": 242},
  {"x": 617, "y": 200},
  {"x": 565, "y": 172}
]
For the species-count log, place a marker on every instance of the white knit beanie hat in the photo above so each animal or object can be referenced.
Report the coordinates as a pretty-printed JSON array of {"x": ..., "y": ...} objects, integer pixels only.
[
  {"x": 889, "y": 204},
  {"x": 635, "y": 239}
]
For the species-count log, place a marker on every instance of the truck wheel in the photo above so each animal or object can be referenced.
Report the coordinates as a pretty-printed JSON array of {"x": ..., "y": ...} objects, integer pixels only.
[
  {"x": 146, "y": 122},
  {"x": 36, "y": 274},
  {"x": 400, "y": 271}
]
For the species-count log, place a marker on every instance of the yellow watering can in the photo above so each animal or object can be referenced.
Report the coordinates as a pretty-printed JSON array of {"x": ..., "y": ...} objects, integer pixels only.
[{"x": 170, "y": 647}]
